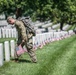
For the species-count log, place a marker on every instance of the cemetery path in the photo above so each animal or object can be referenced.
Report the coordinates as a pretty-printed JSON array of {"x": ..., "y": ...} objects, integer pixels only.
[{"x": 57, "y": 58}]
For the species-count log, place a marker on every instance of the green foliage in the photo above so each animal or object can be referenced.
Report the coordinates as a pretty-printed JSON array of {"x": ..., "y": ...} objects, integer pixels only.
[{"x": 55, "y": 10}]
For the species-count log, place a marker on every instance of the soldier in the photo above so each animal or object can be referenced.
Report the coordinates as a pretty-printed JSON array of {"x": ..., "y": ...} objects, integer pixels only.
[{"x": 24, "y": 38}]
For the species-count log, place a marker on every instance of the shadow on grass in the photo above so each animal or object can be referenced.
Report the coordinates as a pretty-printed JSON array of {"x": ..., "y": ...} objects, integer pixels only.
[
  {"x": 21, "y": 61},
  {"x": 24, "y": 60}
]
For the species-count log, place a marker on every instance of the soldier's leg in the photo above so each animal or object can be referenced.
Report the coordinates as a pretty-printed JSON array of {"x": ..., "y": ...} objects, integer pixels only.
[
  {"x": 16, "y": 57},
  {"x": 32, "y": 55},
  {"x": 31, "y": 51}
]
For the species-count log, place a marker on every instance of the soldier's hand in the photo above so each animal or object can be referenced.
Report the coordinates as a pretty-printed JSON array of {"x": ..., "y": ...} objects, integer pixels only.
[{"x": 23, "y": 41}]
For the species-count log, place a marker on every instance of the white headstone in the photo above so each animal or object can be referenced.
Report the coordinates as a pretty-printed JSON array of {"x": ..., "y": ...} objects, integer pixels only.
[
  {"x": 12, "y": 33},
  {"x": 7, "y": 52},
  {"x": 1, "y": 54},
  {"x": 15, "y": 33},
  {"x": 3, "y": 33},
  {"x": 0, "y": 33},
  {"x": 12, "y": 48},
  {"x": 7, "y": 33}
]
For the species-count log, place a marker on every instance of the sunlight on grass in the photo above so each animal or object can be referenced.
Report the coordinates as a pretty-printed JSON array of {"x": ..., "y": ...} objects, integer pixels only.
[{"x": 56, "y": 58}]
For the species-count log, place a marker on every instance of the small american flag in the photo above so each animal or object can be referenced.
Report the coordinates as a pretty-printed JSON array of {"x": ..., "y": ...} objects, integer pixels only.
[{"x": 20, "y": 50}]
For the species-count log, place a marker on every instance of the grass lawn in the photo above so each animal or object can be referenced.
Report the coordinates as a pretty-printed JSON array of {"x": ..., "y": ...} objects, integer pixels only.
[
  {"x": 6, "y": 39},
  {"x": 57, "y": 58}
]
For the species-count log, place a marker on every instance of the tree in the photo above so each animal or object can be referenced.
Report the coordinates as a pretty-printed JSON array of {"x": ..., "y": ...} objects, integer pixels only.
[{"x": 58, "y": 11}]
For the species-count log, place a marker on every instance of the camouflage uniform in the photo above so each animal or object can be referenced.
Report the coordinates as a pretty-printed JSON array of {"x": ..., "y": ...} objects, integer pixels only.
[{"x": 23, "y": 34}]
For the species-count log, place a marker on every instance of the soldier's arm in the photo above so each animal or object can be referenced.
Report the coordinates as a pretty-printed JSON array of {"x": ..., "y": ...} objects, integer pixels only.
[{"x": 23, "y": 30}]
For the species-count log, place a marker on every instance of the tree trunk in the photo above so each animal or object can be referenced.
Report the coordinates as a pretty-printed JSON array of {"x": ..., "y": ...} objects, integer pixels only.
[
  {"x": 61, "y": 25},
  {"x": 18, "y": 13}
]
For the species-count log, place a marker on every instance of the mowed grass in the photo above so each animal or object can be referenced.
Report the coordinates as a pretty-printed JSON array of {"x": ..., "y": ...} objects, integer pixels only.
[
  {"x": 56, "y": 58},
  {"x": 2, "y": 40}
]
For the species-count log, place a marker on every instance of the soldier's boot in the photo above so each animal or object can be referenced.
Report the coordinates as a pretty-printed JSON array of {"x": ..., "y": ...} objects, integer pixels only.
[{"x": 34, "y": 59}]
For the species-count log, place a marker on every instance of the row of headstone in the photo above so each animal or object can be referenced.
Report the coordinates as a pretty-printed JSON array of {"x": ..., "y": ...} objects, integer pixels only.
[
  {"x": 8, "y": 48},
  {"x": 38, "y": 24},
  {"x": 3, "y": 23},
  {"x": 41, "y": 39},
  {"x": 6, "y": 52},
  {"x": 43, "y": 27},
  {"x": 39, "y": 31},
  {"x": 40, "y": 27},
  {"x": 47, "y": 25},
  {"x": 8, "y": 33}
]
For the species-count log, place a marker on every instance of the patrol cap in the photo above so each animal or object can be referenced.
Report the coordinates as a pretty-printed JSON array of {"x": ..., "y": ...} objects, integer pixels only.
[{"x": 9, "y": 17}]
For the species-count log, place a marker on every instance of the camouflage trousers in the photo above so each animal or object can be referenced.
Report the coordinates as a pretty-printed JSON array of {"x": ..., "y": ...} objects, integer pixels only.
[{"x": 29, "y": 47}]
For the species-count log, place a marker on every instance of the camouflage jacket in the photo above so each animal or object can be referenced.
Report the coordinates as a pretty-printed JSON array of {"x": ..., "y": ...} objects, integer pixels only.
[{"x": 21, "y": 30}]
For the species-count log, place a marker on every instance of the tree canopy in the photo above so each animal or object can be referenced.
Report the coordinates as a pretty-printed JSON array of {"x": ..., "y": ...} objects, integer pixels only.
[{"x": 63, "y": 11}]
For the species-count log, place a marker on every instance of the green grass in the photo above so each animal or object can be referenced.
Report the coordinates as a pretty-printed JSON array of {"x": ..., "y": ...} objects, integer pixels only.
[
  {"x": 57, "y": 58},
  {"x": 6, "y": 39}
]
